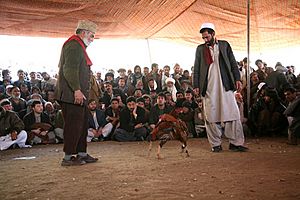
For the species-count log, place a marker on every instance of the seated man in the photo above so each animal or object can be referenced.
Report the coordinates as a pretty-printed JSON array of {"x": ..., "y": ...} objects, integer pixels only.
[
  {"x": 11, "y": 129},
  {"x": 267, "y": 114},
  {"x": 132, "y": 119},
  {"x": 112, "y": 113},
  {"x": 148, "y": 103},
  {"x": 110, "y": 93},
  {"x": 189, "y": 96},
  {"x": 6, "y": 104},
  {"x": 159, "y": 109},
  {"x": 199, "y": 118},
  {"x": 187, "y": 115},
  {"x": 38, "y": 125},
  {"x": 141, "y": 103},
  {"x": 99, "y": 128},
  {"x": 169, "y": 99},
  {"x": 18, "y": 104}
]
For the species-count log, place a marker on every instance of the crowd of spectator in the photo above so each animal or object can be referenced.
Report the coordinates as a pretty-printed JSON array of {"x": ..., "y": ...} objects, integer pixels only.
[{"x": 126, "y": 105}]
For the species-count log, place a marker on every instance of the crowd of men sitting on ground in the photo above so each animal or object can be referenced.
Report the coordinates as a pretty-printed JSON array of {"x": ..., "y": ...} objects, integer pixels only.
[{"x": 127, "y": 106}]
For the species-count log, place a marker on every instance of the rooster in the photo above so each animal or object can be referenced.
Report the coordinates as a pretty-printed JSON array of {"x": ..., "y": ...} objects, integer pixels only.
[{"x": 169, "y": 128}]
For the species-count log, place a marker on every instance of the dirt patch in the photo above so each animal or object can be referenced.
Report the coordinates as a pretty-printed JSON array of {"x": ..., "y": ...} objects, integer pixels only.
[{"x": 270, "y": 170}]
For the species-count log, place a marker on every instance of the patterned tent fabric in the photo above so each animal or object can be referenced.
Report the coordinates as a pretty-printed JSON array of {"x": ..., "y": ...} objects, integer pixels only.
[{"x": 274, "y": 24}]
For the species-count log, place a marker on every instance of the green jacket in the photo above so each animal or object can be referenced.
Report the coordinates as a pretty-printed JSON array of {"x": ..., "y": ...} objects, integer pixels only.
[
  {"x": 74, "y": 73},
  {"x": 9, "y": 121}
]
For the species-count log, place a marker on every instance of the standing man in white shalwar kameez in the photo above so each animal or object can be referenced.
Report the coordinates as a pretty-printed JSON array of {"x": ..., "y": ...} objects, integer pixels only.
[{"x": 216, "y": 77}]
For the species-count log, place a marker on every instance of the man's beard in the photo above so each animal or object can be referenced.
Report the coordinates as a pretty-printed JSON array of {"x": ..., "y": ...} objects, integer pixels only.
[
  {"x": 16, "y": 97},
  {"x": 211, "y": 42},
  {"x": 86, "y": 41}
]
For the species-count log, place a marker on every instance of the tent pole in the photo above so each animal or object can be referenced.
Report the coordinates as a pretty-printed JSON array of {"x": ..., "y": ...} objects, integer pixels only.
[
  {"x": 248, "y": 55},
  {"x": 149, "y": 52}
]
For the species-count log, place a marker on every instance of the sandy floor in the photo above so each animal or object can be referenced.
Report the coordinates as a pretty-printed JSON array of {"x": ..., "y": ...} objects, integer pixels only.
[{"x": 270, "y": 170}]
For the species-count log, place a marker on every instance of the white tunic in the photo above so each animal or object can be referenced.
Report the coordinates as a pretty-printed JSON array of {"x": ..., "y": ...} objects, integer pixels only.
[{"x": 220, "y": 105}]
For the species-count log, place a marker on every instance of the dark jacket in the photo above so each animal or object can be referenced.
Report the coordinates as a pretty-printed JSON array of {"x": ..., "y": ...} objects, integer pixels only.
[
  {"x": 19, "y": 108},
  {"x": 106, "y": 98},
  {"x": 9, "y": 121},
  {"x": 109, "y": 112},
  {"x": 100, "y": 115},
  {"x": 29, "y": 120},
  {"x": 127, "y": 121},
  {"x": 278, "y": 81},
  {"x": 19, "y": 82},
  {"x": 74, "y": 73},
  {"x": 228, "y": 67},
  {"x": 155, "y": 113}
]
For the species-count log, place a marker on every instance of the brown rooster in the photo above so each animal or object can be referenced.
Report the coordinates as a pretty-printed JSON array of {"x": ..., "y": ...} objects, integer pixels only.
[{"x": 169, "y": 128}]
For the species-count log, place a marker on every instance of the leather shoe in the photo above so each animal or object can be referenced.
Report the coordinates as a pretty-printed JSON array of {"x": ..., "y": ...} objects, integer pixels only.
[
  {"x": 74, "y": 161},
  {"x": 237, "y": 148},
  {"x": 217, "y": 149},
  {"x": 87, "y": 158}
]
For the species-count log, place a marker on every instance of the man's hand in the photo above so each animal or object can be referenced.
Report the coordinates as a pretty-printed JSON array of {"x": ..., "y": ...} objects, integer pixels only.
[
  {"x": 138, "y": 126},
  {"x": 79, "y": 97},
  {"x": 99, "y": 131},
  {"x": 172, "y": 103},
  {"x": 36, "y": 131},
  {"x": 152, "y": 126},
  {"x": 13, "y": 135},
  {"x": 43, "y": 133},
  {"x": 94, "y": 131},
  {"x": 238, "y": 85}
]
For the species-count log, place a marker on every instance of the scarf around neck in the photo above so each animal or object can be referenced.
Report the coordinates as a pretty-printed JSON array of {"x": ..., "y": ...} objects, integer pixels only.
[
  {"x": 78, "y": 39},
  {"x": 207, "y": 55}
]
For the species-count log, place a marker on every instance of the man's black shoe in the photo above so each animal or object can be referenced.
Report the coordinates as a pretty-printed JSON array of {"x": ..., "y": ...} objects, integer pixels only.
[
  {"x": 217, "y": 149},
  {"x": 74, "y": 161},
  {"x": 87, "y": 158},
  {"x": 236, "y": 148}
]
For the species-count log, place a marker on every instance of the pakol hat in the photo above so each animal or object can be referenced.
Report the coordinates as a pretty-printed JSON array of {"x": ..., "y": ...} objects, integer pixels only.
[
  {"x": 121, "y": 70},
  {"x": 87, "y": 25},
  {"x": 207, "y": 25}
]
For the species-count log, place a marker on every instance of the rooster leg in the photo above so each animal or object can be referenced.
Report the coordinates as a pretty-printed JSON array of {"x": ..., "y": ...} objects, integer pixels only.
[
  {"x": 187, "y": 152},
  {"x": 161, "y": 143},
  {"x": 184, "y": 149},
  {"x": 158, "y": 152}
]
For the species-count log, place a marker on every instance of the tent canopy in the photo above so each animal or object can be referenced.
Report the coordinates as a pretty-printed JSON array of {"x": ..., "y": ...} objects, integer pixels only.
[{"x": 274, "y": 24}]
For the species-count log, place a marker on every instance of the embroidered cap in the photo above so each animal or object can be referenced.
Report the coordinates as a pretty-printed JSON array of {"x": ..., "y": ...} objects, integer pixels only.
[{"x": 87, "y": 25}]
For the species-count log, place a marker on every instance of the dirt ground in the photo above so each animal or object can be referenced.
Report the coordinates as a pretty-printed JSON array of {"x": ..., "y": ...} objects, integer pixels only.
[{"x": 270, "y": 170}]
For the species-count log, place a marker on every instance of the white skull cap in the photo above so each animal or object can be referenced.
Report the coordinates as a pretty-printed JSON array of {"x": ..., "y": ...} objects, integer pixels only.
[{"x": 207, "y": 25}]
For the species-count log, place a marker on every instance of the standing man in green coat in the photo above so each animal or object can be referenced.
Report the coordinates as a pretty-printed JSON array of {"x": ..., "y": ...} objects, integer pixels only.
[{"x": 72, "y": 92}]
